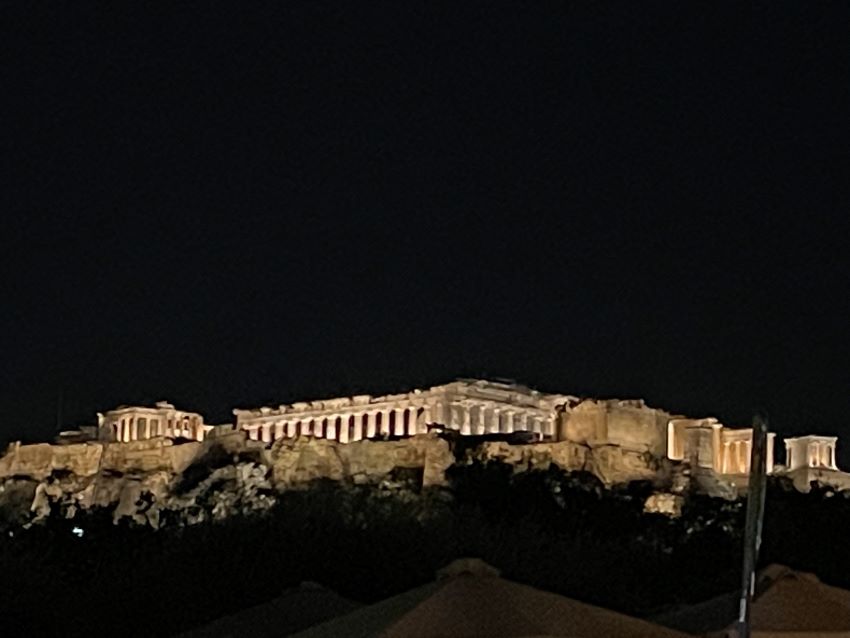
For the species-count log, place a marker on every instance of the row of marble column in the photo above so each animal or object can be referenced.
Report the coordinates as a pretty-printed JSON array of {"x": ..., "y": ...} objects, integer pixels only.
[
  {"x": 404, "y": 421},
  {"x": 821, "y": 455},
  {"x": 141, "y": 428},
  {"x": 736, "y": 456},
  {"x": 344, "y": 428},
  {"x": 489, "y": 419}
]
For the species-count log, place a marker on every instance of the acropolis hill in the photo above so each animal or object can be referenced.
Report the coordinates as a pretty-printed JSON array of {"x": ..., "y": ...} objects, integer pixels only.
[{"x": 150, "y": 461}]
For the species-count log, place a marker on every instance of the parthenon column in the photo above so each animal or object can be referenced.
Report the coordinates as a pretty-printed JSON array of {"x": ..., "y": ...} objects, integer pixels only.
[
  {"x": 398, "y": 426},
  {"x": 357, "y": 430},
  {"x": 466, "y": 425},
  {"x": 481, "y": 421},
  {"x": 371, "y": 425},
  {"x": 470, "y": 418},
  {"x": 495, "y": 421},
  {"x": 523, "y": 421},
  {"x": 507, "y": 422},
  {"x": 549, "y": 426},
  {"x": 290, "y": 429},
  {"x": 385, "y": 422},
  {"x": 331, "y": 430},
  {"x": 421, "y": 421},
  {"x": 344, "y": 422},
  {"x": 455, "y": 417},
  {"x": 437, "y": 414},
  {"x": 536, "y": 425}
]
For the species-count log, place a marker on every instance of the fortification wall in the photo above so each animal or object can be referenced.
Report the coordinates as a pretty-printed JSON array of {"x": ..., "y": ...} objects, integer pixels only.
[
  {"x": 626, "y": 424},
  {"x": 295, "y": 461}
]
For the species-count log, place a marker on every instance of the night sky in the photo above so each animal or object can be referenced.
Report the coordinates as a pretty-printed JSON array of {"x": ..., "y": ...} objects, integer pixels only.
[{"x": 262, "y": 202}]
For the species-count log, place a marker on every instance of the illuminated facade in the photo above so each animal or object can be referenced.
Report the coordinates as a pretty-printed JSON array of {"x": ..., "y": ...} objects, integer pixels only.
[
  {"x": 709, "y": 444},
  {"x": 135, "y": 423},
  {"x": 467, "y": 406},
  {"x": 474, "y": 407}
]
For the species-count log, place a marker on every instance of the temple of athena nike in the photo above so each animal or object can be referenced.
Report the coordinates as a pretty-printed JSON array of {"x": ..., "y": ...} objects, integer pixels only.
[{"x": 474, "y": 407}]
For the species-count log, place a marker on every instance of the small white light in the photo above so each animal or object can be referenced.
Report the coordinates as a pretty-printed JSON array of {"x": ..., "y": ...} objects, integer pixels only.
[{"x": 78, "y": 532}]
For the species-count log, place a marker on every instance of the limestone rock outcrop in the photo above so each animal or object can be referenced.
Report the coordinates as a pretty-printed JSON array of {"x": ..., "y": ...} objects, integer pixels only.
[
  {"x": 155, "y": 481},
  {"x": 298, "y": 461},
  {"x": 40, "y": 460},
  {"x": 610, "y": 463},
  {"x": 628, "y": 424},
  {"x": 664, "y": 503}
]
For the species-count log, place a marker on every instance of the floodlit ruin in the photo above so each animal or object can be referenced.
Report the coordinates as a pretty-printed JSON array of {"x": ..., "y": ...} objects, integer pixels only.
[
  {"x": 137, "y": 423},
  {"x": 364, "y": 439},
  {"x": 466, "y": 406}
]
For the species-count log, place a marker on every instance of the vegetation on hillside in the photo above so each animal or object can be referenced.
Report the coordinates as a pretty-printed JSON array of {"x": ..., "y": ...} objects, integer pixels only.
[{"x": 552, "y": 529}]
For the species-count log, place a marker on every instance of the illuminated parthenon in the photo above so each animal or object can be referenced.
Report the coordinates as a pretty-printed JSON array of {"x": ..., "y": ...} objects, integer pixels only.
[
  {"x": 467, "y": 406},
  {"x": 474, "y": 407}
]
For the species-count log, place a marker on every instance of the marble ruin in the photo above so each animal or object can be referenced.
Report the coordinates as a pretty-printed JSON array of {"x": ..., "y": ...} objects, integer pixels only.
[
  {"x": 136, "y": 423},
  {"x": 706, "y": 443},
  {"x": 811, "y": 459},
  {"x": 466, "y": 406},
  {"x": 365, "y": 439}
]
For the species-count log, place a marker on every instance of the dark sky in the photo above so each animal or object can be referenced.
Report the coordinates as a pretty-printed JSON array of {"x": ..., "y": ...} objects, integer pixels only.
[{"x": 268, "y": 201}]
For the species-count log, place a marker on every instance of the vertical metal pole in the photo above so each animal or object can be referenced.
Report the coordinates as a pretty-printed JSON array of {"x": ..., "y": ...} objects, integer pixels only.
[{"x": 755, "y": 516}]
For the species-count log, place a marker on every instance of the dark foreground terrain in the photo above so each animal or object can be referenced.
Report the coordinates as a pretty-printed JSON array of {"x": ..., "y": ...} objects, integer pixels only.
[{"x": 557, "y": 531}]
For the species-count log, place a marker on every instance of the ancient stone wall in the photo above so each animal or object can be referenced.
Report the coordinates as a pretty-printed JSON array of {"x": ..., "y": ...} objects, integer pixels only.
[
  {"x": 41, "y": 459},
  {"x": 146, "y": 479},
  {"x": 304, "y": 459},
  {"x": 627, "y": 424}
]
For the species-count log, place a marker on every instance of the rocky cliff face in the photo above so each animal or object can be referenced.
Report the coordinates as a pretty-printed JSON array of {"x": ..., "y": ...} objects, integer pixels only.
[
  {"x": 297, "y": 461},
  {"x": 157, "y": 482},
  {"x": 612, "y": 464}
]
